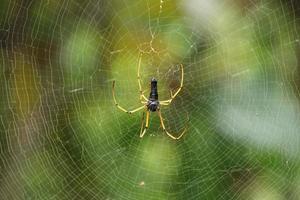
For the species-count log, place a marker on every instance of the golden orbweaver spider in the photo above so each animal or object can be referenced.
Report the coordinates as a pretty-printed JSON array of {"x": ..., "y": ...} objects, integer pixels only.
[{"x": 152, "y": 103}]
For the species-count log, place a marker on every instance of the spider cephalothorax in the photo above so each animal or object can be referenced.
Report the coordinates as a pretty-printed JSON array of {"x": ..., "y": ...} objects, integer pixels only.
[{"x": 152, "y": 103}]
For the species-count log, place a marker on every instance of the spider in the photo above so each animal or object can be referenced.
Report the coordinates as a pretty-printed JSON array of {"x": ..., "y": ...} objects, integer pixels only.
[{"x": 151, "y": 104}]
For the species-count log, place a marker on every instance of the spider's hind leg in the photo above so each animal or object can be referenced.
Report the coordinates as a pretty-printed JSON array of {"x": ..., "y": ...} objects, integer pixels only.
[
  {"x": 164, "y": 128},
  {"x": 143, "y": 130}
]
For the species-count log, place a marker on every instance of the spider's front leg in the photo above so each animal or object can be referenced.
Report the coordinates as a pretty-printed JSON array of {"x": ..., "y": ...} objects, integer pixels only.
[
  {"x": 142, "y": 96},
  {"x": 167, "y": 102},
  {"x": 143, "y": 130},
  {"x": 120, "y": 107}
]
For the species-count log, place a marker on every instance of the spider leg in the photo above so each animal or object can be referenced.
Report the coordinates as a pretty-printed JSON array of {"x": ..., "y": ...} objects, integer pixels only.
[
  {"x": 167, "y": 102},
  {"x": 164, "y": 128},
  {"x": 142, "y": 96},
  {"x": 142, "y": 125},
  {"x": 120, "y": 107},
  {"x": 143, "y": 130}
]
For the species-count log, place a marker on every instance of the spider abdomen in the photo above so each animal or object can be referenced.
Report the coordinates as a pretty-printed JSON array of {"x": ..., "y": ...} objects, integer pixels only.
[
  {"x": 153, "y": 105},
  {"x": 153, "y": 93}
]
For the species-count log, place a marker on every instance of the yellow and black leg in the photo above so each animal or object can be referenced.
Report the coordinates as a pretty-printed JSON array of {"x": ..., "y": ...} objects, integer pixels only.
[
  {"x": 142, "y": 96},
  {"x": 143, "y": 130},
  {"x": 164, "y": 128},
  {"x": 120, "y": 107},
  {"x": 167, "y": 102}
]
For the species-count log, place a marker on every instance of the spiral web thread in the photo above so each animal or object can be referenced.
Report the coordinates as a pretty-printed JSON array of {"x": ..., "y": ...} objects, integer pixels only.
[{"x": 63, "y": 138}]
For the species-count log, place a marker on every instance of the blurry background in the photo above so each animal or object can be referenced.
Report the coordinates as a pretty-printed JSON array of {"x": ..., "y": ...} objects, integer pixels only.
[{"x": 61, "y": 137}]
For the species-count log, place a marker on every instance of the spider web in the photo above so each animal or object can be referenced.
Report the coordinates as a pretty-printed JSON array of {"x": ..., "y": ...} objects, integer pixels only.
[{"x": 63, "y": 138}]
